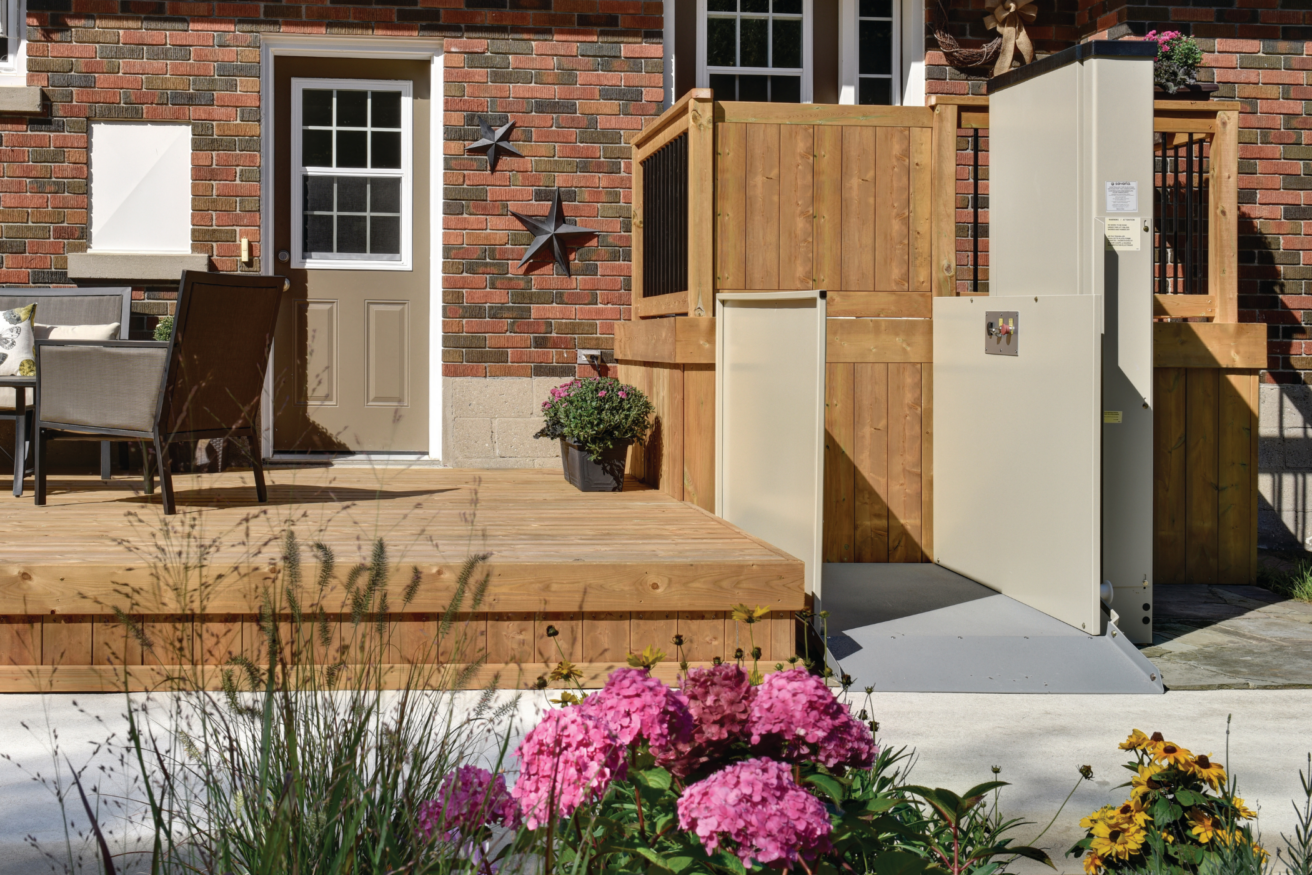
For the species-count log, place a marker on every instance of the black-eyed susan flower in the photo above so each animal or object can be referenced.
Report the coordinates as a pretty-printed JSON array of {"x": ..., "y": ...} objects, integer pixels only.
[
  {"x": 1092, "y": 863},
  {"x": 1242, "y": 811},
  {"x": 1204, "y": 826},
  {"x": 1136, "y": 741},
  {"x": 1102, "y": 815},
  {"x": 1143, "y": 782},
  {"x": 1116, "y": 840},
  {"x": 1131, "y": 813},
  {"x": 1172, "y": 754},
  {"x": 1211, "y": 773}
]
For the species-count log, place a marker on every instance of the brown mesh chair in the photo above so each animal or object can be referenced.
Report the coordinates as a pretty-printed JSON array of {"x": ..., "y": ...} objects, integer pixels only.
[{"x": 204, "y": 383}]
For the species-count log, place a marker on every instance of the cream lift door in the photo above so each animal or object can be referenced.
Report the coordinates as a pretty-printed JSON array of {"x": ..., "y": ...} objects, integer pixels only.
[
  {"x": 770, "y": 419},
  {"x": 1043, "y": 459}
]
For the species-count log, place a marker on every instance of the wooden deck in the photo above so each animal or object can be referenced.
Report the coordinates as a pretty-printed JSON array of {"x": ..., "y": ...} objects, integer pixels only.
[{"x": 612, "y": 572}]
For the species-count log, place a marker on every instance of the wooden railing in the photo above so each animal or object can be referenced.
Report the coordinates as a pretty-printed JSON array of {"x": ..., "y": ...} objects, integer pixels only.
[{"x": 682, "y": 242}]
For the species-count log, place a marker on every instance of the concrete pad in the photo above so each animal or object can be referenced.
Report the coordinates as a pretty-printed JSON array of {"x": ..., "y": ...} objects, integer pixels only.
[{"x": 1230, "y": 637}]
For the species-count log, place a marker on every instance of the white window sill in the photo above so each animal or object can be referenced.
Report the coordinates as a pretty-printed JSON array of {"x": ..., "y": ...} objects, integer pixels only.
[{"x": 133, "y": 265}]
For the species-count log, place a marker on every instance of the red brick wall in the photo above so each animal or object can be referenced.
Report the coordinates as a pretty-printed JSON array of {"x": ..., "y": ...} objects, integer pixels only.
[{"x": 577, "y": 77}]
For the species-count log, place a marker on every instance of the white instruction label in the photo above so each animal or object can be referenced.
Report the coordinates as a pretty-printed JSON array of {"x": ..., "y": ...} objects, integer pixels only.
[
  {"x": 1123, "y": 235},
  {"x": 1122, "y": 197}
]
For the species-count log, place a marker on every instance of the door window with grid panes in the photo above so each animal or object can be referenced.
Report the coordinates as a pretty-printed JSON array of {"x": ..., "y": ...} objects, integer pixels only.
[
  {"x": 351, "y": 167},
  {"x": 877, "y": 61},
  {"x": 757, "y": 49}
]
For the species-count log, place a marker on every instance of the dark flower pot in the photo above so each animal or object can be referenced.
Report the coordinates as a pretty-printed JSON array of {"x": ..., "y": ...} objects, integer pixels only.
[
  {"x": 1195, "y": 91},
  {"x": 589, "y": 474}
]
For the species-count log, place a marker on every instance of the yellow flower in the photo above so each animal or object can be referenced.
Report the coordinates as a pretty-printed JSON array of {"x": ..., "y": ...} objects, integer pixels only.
[
  {"x": 1242, "y": 811},
  {"x": 1204, "y": 826},
  {"x": 1092, "y": 863},
  {"x": 1102, "y": 815},
  {"x": 1136, "y": 741},
  {"x": 744, "y": 614},
  {"x": 1208, "y": 771},
  {"x": 1116, "y": 840},
  {"x": 1172, "y": 754},
  {"x": 1131, "y": 813},
  {"x": 1260, "y": 851},
  {"x": 1143, "y": 783}
]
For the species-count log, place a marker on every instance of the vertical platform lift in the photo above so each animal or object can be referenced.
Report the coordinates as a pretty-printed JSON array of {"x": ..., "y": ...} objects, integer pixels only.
[{"x": 1042, "y": 415}]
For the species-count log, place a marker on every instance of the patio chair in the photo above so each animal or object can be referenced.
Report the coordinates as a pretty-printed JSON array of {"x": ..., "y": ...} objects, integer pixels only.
[
  {"x": 64, "y": 309},
  {"x": 206, "y": 382}
]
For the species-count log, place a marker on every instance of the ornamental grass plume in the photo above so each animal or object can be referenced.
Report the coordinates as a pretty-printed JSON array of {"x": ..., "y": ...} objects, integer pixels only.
[
  {"x": 636, "y": 705},
  {"x": 468, "y": 799},
  {"x": 756, "y": 805},
  {"x": 569, "y": 758},
  {"x": 795, "y": 716}
]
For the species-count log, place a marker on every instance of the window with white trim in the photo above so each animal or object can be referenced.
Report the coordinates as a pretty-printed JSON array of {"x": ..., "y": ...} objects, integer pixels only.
[
  {"x": 756, "y": 49},
  {"x": 352, "y": 177},
  {"x": 877, "y": 44},
  {"x": 13, "y": 42}
]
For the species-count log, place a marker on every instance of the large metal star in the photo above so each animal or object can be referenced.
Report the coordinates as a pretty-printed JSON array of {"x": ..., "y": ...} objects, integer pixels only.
[
  {"x": 551, "y": 230},
  {"x": 493, "y": 144}
]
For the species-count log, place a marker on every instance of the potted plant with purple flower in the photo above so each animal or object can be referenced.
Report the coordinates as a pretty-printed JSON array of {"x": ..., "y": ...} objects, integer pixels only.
[
  {"x": 1175, "y": 71},
  {"x": 596, "y": 420}
]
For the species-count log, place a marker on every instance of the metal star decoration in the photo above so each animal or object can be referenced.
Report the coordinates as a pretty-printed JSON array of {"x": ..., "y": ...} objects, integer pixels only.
[
  {"x": 551, "y": 230},
  {"x": 493, "y": 144}
]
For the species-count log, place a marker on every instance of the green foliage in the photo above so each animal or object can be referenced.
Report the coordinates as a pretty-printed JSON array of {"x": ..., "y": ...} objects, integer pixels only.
[
  {"x": 880, "y": 826},
  {"x": 1297, "y": 852},
  {"x": 164, "y": 329},
  {"x": 1182, "y": 818},
  {"x": 596, "y": 413},
  {"x": 1178, "y": 58},
  {"x": 1295, "y": 584}
]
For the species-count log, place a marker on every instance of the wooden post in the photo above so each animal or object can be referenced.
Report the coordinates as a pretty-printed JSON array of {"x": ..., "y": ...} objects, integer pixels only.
[
  {"x": 701, "y": 202},
  {"x": 1223, "y": 248},
  {"x": 945, "y": 200}
]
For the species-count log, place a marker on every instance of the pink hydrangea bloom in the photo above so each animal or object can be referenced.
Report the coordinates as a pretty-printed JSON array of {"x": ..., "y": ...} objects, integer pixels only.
[
  {"x": 601, "y": 394},
  {"x": 756, "y": 805},
  {"x": 636, "y": 705},
  {"x": 469, "y": 798},
  {"x": 795, "y": 716},
  {"x": 570, "y": 757},
  {"x": 719, "y": 699}
]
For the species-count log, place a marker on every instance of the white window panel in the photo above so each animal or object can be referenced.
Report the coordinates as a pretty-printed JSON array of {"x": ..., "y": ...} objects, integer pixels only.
[
  {"x": 755, "y": 49},
  {"x": 352, "y": 202},
  {"x": 140, "y": 180},
  {"x": 13, "y": 43},
  {"x": 881, "y": 52}
]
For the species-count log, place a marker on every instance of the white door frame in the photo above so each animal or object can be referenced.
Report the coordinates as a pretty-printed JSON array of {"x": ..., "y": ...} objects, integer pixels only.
[{"x": 385, "y": 48}]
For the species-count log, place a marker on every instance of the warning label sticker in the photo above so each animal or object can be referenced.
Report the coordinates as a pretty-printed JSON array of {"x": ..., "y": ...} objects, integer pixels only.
[
  {"x": 1123, "y": 235},
  {"x": 1122, "y": 197}
]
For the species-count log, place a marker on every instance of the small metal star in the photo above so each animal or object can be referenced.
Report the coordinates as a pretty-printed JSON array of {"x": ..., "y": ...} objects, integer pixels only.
[
  {"x": 493, "y": 144},
  {"x": 551, "y": 230}
]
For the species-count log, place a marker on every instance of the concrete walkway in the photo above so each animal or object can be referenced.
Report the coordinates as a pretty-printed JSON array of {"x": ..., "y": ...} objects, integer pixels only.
[
  {"x": 1038, "y": 740},
  {"x": 1231, "y": 637}
]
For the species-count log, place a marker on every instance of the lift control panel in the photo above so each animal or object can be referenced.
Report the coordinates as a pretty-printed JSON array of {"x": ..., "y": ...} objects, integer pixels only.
[{"x": 1001, "y": 332}]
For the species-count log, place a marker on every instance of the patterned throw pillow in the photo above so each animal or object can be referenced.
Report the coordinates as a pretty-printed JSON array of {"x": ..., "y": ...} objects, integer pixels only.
[{"x": 16, "y": 342}]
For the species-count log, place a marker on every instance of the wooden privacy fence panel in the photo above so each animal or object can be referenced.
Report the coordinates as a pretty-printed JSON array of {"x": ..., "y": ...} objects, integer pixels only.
[
  {"x": 847, "y": 208},
  {"x": 1205, "y": 475}
]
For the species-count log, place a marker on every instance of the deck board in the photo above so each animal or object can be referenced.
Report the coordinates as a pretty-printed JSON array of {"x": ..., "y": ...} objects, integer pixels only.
[{"x": 552, "y": 548}]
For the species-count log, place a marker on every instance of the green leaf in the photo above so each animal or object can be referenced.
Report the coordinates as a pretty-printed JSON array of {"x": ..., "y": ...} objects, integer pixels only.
[
  {"x": 1188, "y": 798},
  {"x": 827, "y": 785},
  {"x": 901, "y": 863},
  {"x": 1032, "y": 854},
  {"x": 655, "y": 777}
]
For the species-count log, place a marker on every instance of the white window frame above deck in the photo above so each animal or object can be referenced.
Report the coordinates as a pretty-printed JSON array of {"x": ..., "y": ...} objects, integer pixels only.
[{"x": 806, "y": 71}]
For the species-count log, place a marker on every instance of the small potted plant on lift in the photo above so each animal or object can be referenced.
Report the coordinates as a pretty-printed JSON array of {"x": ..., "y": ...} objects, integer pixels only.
[
  {"x": 1175, "y": 72},
  {"x": 596, "y": 420}
]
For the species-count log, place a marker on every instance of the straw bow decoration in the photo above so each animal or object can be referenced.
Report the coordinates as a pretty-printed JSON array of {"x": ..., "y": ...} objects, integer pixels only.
[{"x": 1009, "y": 18}]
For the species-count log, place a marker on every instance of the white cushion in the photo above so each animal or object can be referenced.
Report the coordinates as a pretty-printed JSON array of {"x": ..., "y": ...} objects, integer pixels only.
[
  {"x": 16, "y": 342},
  {"x": 77, "y": 332},
  {"x": 8, "y": 400}
]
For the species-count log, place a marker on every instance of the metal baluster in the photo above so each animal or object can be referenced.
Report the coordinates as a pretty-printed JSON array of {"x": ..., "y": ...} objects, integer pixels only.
[
  {"x": 974, "y": 199},
  {"x": 1189, "y": 216}
]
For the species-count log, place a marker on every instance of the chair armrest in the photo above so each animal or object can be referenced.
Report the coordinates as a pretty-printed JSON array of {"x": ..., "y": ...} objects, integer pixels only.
[{"x": 100, "y": 383}]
